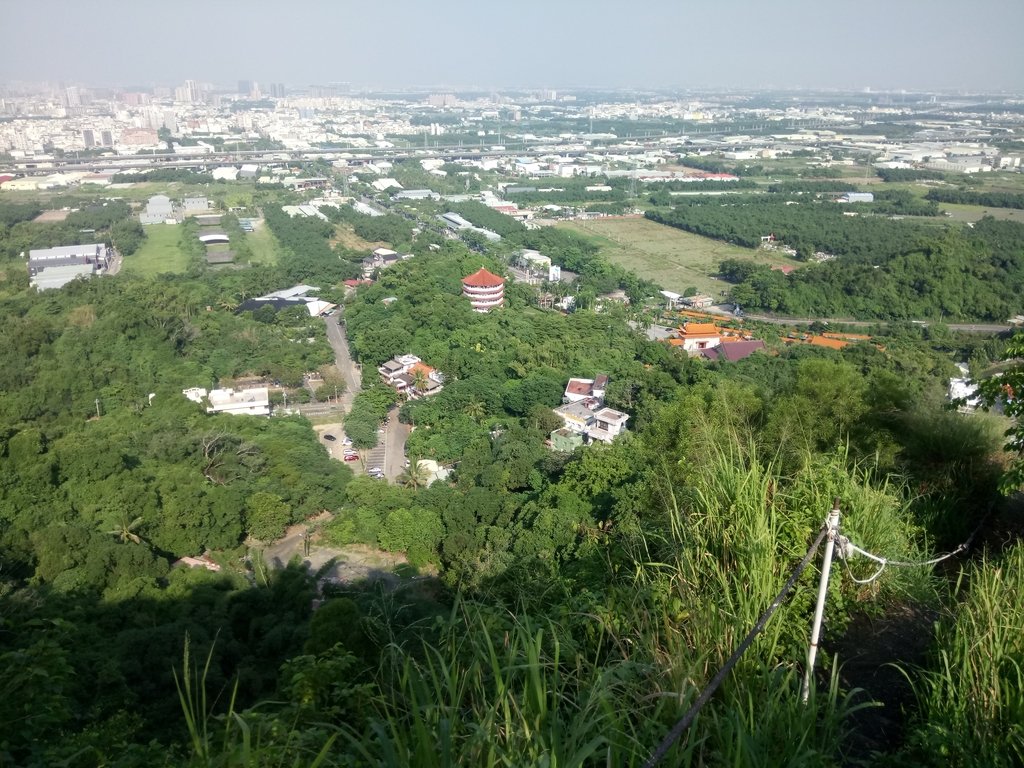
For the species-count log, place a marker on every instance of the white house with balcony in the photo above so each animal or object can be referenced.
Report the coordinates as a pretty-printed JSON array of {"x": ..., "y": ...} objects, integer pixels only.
[
  {"x": 583, "y": 412},
  {"x": 410, "y": 376}
]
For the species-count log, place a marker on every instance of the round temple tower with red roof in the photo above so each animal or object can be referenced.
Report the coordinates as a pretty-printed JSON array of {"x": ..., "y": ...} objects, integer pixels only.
[{"x": 485, "y": 290}]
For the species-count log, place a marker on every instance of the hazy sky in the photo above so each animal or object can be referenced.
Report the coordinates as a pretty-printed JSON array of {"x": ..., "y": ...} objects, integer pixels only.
[{"x": 881, "y": 44}]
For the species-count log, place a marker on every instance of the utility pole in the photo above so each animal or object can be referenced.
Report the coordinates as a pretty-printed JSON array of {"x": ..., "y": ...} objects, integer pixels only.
[{"x": 830, "y": 542}]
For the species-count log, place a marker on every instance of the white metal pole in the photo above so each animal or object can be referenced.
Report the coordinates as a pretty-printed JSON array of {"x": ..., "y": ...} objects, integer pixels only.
[{"x": 819, "y": 611}]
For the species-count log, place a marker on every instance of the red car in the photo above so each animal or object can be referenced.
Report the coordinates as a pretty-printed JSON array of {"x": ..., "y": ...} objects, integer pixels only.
[{"x": 351, "y": 458}]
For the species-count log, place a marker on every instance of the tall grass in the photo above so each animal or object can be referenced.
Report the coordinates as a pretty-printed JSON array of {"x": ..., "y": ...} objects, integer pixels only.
[
  {"x": 520, "y": 702},
  {"x": 971, "y": 701},
  {"x": 602, "y": 685},
  {"x": 234, "y": 740}
]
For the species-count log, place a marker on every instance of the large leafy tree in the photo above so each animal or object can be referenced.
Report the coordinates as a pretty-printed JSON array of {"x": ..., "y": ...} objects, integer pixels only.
[{"x": 1008, "y": 389}]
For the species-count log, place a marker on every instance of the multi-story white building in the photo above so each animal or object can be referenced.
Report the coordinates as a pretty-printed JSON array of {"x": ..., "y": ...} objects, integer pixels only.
[{"x": 584, "y": 415}]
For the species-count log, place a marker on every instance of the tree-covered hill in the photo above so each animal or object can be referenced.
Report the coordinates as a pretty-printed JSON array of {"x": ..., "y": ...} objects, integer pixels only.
[
  {"x": 975, "y": 274},
  {"x": 881, "y": 267},
  {"x": 555, "y": 608}
]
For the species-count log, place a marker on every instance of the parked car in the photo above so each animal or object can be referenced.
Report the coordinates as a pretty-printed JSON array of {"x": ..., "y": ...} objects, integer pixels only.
[
  {"x": 351, "y": 457},
  {"x": 332, "y": 438}
]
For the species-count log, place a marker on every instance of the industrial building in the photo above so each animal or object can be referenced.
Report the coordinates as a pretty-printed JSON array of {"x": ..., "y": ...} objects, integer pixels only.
[
  {"x": 56, "y": 267},
  {"x": 159, "y": 210}
]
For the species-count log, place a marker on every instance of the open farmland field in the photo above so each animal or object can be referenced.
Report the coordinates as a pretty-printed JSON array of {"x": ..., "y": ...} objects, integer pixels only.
[
  {"x": 159, "y": 253},
  {"x": 674, "y": 259},
  {"x": 263, "y": 244},
  {"x": 347, "y": 238},
  {"x": 959, "y": 212}
]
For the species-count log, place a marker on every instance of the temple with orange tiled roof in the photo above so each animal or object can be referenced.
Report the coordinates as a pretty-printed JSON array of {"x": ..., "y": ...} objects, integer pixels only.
[{"x": 693, "y": 337}]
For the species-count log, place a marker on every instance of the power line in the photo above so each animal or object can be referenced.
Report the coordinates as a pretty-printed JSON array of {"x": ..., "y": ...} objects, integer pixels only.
[
  {"x": 847, "y": 547},
  {"x": 717, "y": 680}
]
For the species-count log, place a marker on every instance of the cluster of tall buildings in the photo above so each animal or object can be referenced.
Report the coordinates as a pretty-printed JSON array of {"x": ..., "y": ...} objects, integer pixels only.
[{"x": 251, "y": 89}]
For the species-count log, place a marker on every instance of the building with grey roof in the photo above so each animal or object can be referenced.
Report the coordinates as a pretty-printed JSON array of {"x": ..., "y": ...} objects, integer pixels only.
[
  {"x": 158, "y": 210},
  {"x": 56, "y": 267}
]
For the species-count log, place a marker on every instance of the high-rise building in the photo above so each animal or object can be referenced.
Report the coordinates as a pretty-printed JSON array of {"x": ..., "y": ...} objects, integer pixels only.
[
  {"x": 244, "y": 87},
  {"x": 88, "y": 138},
  {"x": 72, "y": 97},
  {"x": 277, "y": 90},
  {"x": 441, "y": 99},
  {"x": 107, "y": 138}
]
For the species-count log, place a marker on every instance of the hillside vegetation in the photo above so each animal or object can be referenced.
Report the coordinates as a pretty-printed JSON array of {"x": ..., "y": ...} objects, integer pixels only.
[{"x": 555, "y": 609}]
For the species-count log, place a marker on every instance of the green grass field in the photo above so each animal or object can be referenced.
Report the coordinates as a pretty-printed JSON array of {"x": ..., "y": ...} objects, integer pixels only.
[
  {"x": 159, "y": 253},
  {"x": 958, "y": 212},
  {"x": 263, "y": 244},
  {"x": 674, "y": 259}
]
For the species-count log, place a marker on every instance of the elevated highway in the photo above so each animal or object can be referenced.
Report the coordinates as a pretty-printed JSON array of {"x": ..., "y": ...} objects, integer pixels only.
[{"x": 354, "y": 157}]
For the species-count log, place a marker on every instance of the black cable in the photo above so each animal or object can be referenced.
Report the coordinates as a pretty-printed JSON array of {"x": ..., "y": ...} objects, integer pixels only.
[{"x": 716, "y": 681}]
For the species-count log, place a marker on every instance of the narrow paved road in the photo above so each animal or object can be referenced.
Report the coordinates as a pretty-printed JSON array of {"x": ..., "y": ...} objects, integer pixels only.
[
  {"x": 395, "y": 435},
  {"x": 343, "y": 362},
  {"x": 776, "y": 320},
  {"x": 389, "y": 454}
]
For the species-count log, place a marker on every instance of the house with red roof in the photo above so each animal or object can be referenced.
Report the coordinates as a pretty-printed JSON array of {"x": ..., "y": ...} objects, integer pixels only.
[
  {"x": 411, "y": 377},
  {"x": 583, "y": 389},
  {"x": 584, "y": 416},
  {"x": 733, "y": 350}
]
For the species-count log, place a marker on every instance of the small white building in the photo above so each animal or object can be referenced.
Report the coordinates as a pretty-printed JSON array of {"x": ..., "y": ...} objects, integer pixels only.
[
  {"x": 411, "y": 377},
  {"x": 857, "y": 197},
  {"x": 382, "y": 185},
  {"x": 584, "y": 389},
  {"x": 193, "y": 205},
  {"x": 963, "y": 391},
  {"x": 249, "y": 402},
  {"x": 225, "y": 173},
  {"x": 607, "y": 425},
  {"x": 158, "y": 211},
  {"x": 583, "y": 413}
]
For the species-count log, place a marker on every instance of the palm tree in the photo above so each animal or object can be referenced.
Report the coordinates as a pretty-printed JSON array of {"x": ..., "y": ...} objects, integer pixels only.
[
  {"x": 476, "y": 411},
  {"x": 414, "y": 476},
  {"x": 125, "y": 530},
  {"x": 419, "y": 380}
]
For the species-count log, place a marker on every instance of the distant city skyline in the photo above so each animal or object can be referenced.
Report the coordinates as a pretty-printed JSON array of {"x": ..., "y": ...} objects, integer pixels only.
[{"x": 462, "y": 45}]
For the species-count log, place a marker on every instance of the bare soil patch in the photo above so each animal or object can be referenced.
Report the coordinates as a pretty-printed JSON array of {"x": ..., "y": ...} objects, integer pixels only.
[{"x": 51, "y": 216}]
